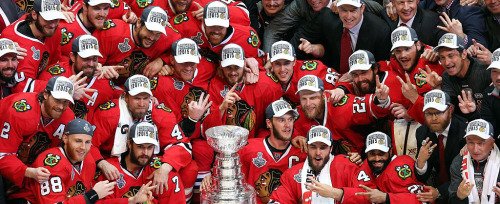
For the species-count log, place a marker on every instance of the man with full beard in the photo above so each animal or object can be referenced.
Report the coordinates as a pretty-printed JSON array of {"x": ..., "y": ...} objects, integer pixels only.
[
  {"x": 8, "y": 66},
  {"x": 272, "y": 152},
  {"x": 38, "y": 34},
  {"x": 84, "y": 54},
  {"x": 444, "y": 133},
  {"x": 90, "y": 17},
  {"x": 393, "y": 175},
  {"x": 342, "y": 117},
  {"x": 114, "y": 118},
  {"x": 239, "y": 103},
  {"x": 335, "y": 178},
  {"x": 137, "y": 164}
]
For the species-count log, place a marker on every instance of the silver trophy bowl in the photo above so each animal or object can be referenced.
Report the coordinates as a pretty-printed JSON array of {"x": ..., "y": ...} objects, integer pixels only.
[
  {"x": 228, "y": 182},
  {"x": 227, "y": 139}
]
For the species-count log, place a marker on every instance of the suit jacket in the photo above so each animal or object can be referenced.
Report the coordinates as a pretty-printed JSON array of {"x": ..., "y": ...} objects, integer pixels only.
[
  {"x": 327, "y": 28},
  {"x": 455, "y": 141},
  {"x": 425, "y": 24},
  {"x": 471, "y": 17},
  {"x": 493, "y": 29},
  {"x": 11, "y": 10}
]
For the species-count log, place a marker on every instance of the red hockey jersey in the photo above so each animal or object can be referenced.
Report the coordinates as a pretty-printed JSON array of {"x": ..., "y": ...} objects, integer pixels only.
[
  {"x": 422, "y": 86},
  {"x": 309, "y": 67},
  {"x": 116, "y": 11},
  {"x": 398, "y": 180},
  {"x": 66, "y": 184},
  {"x": 261, "y": 170},
  {"x": 118, "y": 47},
  {"x": 39, "y": 55},
  {"x": 343, "y": 173},
  {"x": 70, "y": 31},
  {"x": 106, "y": 120},
  {"x": 24, "y": 135},
  {"x": 249, "y": 112},
  {"x": 84, "y": 108},
  {"x": 129, "y": 184}
]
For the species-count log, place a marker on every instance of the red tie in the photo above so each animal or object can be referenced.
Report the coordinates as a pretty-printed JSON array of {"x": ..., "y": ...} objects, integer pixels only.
[
  {"x": 403, "y": 24},
  {"x": 443, "y": 175},
  {"x": 345, "y": 51}
]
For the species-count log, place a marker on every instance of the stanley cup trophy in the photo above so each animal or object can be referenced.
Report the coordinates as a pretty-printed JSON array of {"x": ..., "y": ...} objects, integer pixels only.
[{"x": 228, "y": 182}]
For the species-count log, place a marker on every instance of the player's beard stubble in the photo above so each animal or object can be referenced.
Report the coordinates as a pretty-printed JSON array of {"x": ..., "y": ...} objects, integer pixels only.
[
  {"x": 317, "y": 169},
  {"x": 137, "y": 159}
]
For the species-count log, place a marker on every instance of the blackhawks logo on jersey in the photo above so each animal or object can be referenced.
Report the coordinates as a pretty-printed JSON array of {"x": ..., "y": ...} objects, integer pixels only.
[
  {"x": 144, "y": 3},
  {"x": 404, "y": 171},
  {"x": 342, "y": 101},
  {"x": 116, "y": 3},
  {"x": 51, "y": 160},
  {"x": 242, "y": 114},
  {"x": 66, "y": 36},
  {"x": 77, "y": 189},
  {"x": 108, "y": 24},
  {"x": 56, "y": 70},
  {"x": 21, "y": 106},
  {"x": 253, "y": 40},
  {"x": 419, "y": 82},
  {"x": 112, "y": 85},
  {"x": 154, "y": 83},
  {"x": 309, "y": 65},
  {"x": 180, "y": 18},
  {"x": 131, "y": 192},
  {"x": 156, "y": 163},
  {"x": 163, "y": 107},
  {"x": 106, "y": 106}
]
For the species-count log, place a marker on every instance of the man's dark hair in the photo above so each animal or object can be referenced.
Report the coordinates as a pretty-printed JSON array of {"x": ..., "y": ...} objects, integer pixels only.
[
  {"x": 29, "y": 17},
  {"x": 40, "y": 96}
]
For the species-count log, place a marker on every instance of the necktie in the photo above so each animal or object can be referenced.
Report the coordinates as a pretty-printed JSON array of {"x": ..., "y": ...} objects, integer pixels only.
[
  {"x": 345, "y": 51},
  {"x": 403, "y": 24},
  {"x": 443, "y": 174}
]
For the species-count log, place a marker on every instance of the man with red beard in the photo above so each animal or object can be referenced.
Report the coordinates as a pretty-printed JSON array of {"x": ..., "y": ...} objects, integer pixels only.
[
  {"x": 63, "y": 186},
  {"x": 444, "y": 133},
  {"x": 119, "y": 9},
  {"x": 393, "y": 175},
  {"x": 287, "y": 71},
  {"x": 138, "y": 44},
  {"x": 353, "y": 111},
  {"x": 84, "y": 54},
  {"x": 89, "y": 17},
  {"x": 8, "y": 66},
  {"x": 335, "y": 178},
  {"x": 38, "y": 34},
  {"x": 137, "y": 163},
  {"x": 239, "y": 103},
  {"x": 114, "y": 118},
  {"x": 24, "y": 136},
  {"x": 270, "y": 156}
]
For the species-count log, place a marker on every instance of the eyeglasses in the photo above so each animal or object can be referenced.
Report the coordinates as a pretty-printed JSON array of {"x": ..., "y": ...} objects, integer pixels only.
[{"x": 437, "y": 114}]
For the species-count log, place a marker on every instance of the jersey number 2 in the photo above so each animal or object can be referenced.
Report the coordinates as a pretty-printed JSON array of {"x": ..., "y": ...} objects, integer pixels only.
[{"x": 5, "y": 130}]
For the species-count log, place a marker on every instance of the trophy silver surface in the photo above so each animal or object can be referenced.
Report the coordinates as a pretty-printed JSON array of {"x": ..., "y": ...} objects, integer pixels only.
[{"x": 228, "y": 182}]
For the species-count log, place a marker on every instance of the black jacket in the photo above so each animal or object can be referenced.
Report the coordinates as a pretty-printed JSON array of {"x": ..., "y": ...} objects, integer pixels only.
[
  {"x": 327, "y": 28},
  {"x": 454, "y": 142},
  {"x": 425, "y": 24},
  {"x": 11, "y": 10}
]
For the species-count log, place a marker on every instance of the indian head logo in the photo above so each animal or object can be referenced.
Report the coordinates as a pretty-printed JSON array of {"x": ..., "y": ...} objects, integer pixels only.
[
  {"x": 77, "y": 189},
  {"x": 267, "y": 183},
  {"x": 241, "y": 114}
]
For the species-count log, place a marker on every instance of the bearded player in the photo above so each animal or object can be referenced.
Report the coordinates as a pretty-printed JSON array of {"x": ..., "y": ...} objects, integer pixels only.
[{"x": 137, "y": 163}]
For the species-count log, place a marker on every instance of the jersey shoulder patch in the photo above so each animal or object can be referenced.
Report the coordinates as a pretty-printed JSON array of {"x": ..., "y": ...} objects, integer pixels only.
[
  {"x": 108, "y": 24},
  {"x": 253, "y": 40},
  {"x": 272, "y": 77},
  {"x": 180, "y": 18},
  {"x": 56, "y": 70},
  {"x": 309, "y": 65},
  {"x": 342, "y": 101},
  {"x": 162, "y": 106},
  {"x": 51, "y": 160},
  {"x": 156, "y": 163},
  {"x": 21, "y": 106},
  {"x": 106, "y": 106}
]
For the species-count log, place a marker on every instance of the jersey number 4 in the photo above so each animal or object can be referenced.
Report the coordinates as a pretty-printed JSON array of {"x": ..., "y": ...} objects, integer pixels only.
[
  {"x": 362, "y": 176},
  {"x": 53, "y": 184}
]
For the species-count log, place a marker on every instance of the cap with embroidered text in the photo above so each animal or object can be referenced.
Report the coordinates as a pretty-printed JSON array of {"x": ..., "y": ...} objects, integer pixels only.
[
  {"x": 155, "y": 19},
  {"x": 355, "y": 3},
  {"x": 319, "y": 134},
  {"x": 279, "y": 108},
  {"x": 480, "y": 128},
  {"x": 61, "y": 87},
  {"x": 378, "y": 141},
  {"x": 137, "y": 84},
  {"x": 450, "y": 40},
  {"x": 85, "y": 46},
  {"x": 495, "y": 60},
  {"x": 216, "y": 13},
  {"x": 436, "y": 99},
  {"x": 311, "y": 83},
  {"x": 97, "y": 2},
  {"x": 48, "y": 9},
  {"x": 282, "y": 50},
  {"x": 403, "y": 37},
  {"x": 145, "y": 133},
  {"x": 232, "y": 54},
  {"x": 7, "y": 46},
  {"x": 185, "y": 50},
  {"x": 361, "y": 60}
]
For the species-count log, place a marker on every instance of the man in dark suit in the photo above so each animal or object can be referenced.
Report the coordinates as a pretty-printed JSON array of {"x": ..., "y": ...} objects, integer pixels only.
[
  {"x": 9, "y": 13},
  {"x": 324, "y": 36},
  {"x": 441, "y": 137},
  {"x": 422, "y": 21}
]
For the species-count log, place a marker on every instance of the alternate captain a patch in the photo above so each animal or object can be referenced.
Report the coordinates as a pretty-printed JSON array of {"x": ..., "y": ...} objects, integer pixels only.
[{"x": 51, "y": 160}]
